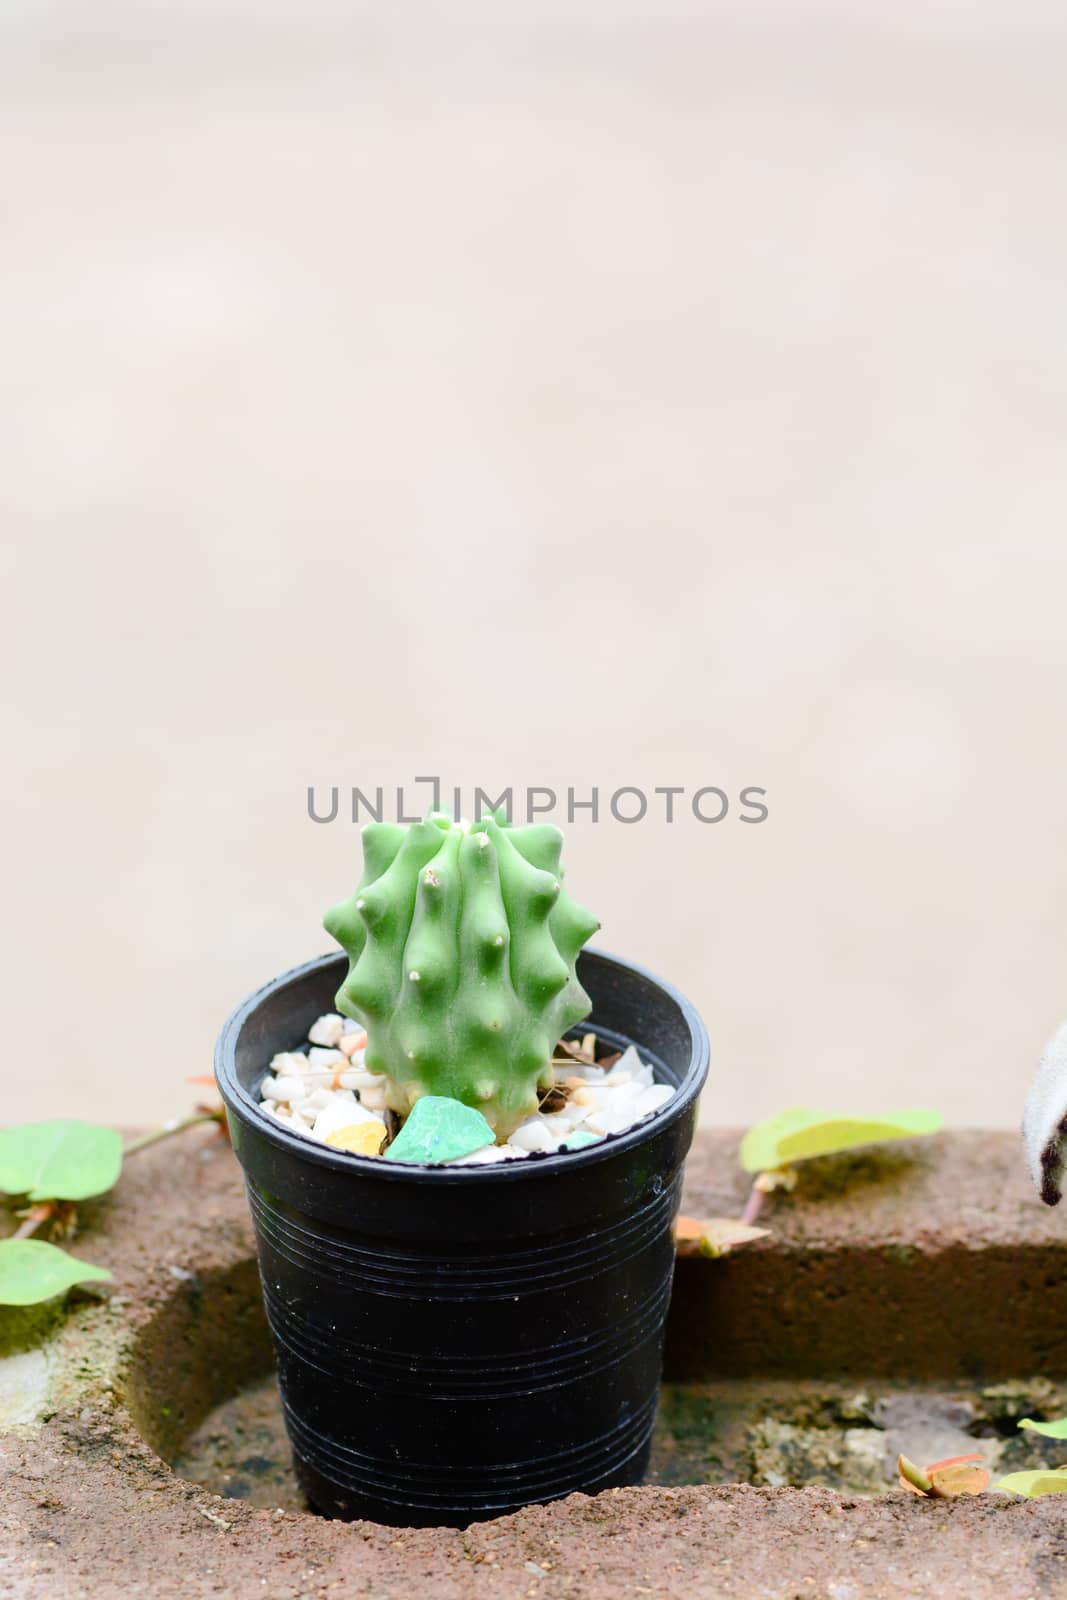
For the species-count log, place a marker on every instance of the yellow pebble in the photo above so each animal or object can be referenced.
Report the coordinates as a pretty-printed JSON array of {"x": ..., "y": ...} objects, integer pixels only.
[{"x": 361, "y": 1138}]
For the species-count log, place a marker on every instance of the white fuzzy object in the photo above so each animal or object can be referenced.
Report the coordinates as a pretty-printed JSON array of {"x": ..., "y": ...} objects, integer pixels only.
[{"x": 1045, "y": 1120}]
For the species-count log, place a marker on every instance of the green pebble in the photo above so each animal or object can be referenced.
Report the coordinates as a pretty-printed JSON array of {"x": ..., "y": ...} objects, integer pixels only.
[
  {"x": 579, "y": 1140},
  {"x": 440, "y": 1129}
]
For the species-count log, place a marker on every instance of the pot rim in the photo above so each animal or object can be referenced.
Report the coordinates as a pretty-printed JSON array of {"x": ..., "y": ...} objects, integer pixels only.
[{"x": 239, "y": 1102}]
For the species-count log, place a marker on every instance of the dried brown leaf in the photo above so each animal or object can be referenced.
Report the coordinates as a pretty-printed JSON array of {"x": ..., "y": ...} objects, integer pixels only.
[{"x": 713, "y": 1236}]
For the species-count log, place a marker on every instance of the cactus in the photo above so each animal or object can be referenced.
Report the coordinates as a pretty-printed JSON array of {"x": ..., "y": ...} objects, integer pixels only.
[{"x": 462, "y": 944}]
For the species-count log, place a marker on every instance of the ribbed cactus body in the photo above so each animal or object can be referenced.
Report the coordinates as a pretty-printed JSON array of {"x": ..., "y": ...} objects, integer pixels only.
[{"x": 461, "y": 945}]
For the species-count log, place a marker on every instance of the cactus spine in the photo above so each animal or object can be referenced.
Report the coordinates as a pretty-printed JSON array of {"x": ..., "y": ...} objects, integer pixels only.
[{"x": 462, "y": 944}]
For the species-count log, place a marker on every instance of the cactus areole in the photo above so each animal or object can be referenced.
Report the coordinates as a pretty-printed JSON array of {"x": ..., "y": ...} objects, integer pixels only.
[{"x": 462, "y": 942}]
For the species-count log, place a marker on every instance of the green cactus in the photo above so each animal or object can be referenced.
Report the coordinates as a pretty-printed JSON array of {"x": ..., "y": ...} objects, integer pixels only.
[{"x": 462, "y": 943}]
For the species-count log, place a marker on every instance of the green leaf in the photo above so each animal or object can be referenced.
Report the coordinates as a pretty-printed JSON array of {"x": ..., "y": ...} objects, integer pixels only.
[
  {"x": 799, "y": 1134},
  {"x": 59, "y": 1160},
  {"x": 1046, "y": 1480},
  {"x": 1051, "y": 1430},
  {"x": 31, "y": 1270}
]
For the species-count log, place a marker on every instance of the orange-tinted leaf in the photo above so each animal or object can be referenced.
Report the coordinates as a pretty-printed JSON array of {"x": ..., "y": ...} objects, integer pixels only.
[
  {"x": 713, "y": 1236},
  {"x": 688, "y": 1228},
  {"x": 218, "y": 1112},
  {"x": 944, "y": 1480},
  {"x": 957, "y": 1478},
  {"x": 954, "y": 1461}
]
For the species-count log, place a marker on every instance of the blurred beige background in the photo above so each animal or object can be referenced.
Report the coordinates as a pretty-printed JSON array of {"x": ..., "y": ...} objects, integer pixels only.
[{"x": 547, "y": 393}]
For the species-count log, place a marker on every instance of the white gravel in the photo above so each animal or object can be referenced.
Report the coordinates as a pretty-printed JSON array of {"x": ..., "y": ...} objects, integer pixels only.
[
  {"x": 327, "y": 1087},
  {"x": 328, "y": 1030}
]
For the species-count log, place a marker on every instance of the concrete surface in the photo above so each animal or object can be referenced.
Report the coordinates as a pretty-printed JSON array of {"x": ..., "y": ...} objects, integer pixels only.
[
  {"x": 89, "y": 1508},
  {"x": 544, "y": 394}
]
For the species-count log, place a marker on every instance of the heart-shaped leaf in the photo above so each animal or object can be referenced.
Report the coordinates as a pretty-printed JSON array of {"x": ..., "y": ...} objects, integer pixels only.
[
  {"x": 1045, "y": 1480},
  {"x": 799, "y": 1134},
  {"x": 31, "y": 1270},
  {"x": 62, "y": 1160},
  {"x": 944, "y": 1480},
  {"x": 958, "y": 1475},
  {"x": 713, "y": 1236},
  {"x": 1051, "y": 1430}
]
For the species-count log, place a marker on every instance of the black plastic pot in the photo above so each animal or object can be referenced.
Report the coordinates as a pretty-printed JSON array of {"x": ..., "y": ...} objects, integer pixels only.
[{"x": 455, "y": 1343}]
